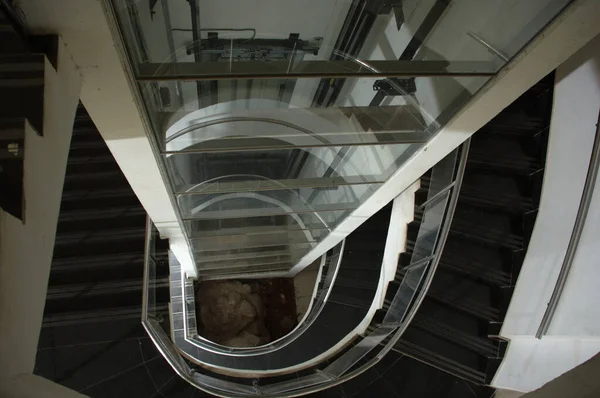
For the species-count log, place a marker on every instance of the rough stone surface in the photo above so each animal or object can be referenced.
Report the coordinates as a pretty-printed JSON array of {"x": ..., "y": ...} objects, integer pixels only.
[{"x": 232, "y": 313}]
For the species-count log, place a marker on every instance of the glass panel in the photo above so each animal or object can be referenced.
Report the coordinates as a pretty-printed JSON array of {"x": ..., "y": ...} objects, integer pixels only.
[
  {"x": 166, "y": 346},
  {"x": 442, "y": 175},
  {"x": 234, "y": 242},
  {"x": 221, "y": 32},
  {"x": 232, "y": 115},
  {"x": 252, "y": 258},
  {"x": 267, "y": 203},
  {"x": 212, "y": 259},
  {"x": 252, "y": 226},
  {"x": 266, "y": 262},
  {"x": 240, "y": 207},
  {"x": 251, "y": 183},
  {"x": 487, "y": 31},
  {"x": 433, "y": 216},
  {"x": 189, "y": 308},
  {"x": 352, "y": 356},
  {"x": 296, "y": 168},
  {"x": 210, "y": 254},
  {"x": 261, "y": 114},
  {"x": 406, "y": 292},
  {"x": 309, "y": 104}
]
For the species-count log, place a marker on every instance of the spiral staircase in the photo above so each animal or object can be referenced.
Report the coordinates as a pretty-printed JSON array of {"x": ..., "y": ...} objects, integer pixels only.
[{"x": 430, "y": 330}]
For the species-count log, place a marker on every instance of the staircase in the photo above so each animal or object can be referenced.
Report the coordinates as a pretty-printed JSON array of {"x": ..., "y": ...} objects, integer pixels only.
[
  {"x": 451, "y": 347},
  {"x": 95, "y": 284}
]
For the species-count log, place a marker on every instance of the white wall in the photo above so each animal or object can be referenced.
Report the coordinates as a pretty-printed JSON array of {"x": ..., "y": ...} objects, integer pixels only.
[
  {"x": 26, "y": 249},
  {"x": 574, "y": 334}
]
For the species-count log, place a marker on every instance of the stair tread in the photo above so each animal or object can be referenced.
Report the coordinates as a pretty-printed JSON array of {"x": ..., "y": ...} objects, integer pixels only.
[
  {"x": 475, "y": 270},
  {"x": 480, "y": 345},
  {"x": 444, "y": 364},
  {"x": 351, "y": 296},
  {"x": 100, "y": 287},
  {"x": 465, "y": 304}
]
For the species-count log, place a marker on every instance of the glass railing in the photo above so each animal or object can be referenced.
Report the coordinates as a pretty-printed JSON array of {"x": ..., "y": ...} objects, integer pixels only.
[
  {"x": 314, "y": 96},
  {"x": 444, "y": 186}
]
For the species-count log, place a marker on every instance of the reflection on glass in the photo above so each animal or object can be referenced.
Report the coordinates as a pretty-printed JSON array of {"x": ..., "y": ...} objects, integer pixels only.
[
  {"x": 431, "y": 223},
  {"x": 304, "y": 109},
  {"x": 406, "y": 291},
  {"x": 300, "y": 168},
  {"x": 251, "y": 226}
]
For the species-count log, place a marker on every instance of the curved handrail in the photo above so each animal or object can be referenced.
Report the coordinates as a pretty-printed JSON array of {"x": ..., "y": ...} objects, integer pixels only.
[
  {"x": 322, "y": 378},
  {"x": 259, "y": 119}
]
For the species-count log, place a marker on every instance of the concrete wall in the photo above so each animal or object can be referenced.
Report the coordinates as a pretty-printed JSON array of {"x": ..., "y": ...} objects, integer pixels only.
[
  {"x": 574, "y": 334},
  {"x": 26, "y": 249}
]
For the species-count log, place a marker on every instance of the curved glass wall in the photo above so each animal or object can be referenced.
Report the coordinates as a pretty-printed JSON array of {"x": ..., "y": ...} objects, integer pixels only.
[{"x": 278, "y": 119}]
